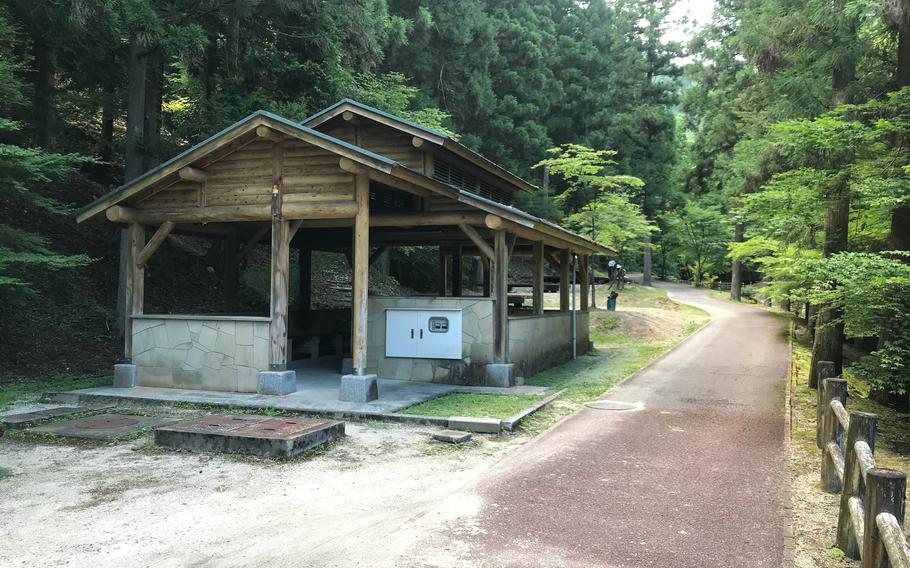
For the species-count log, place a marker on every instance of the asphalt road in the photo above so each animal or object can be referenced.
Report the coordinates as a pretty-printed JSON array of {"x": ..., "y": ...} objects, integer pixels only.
[{"x": 696, "y": 477}]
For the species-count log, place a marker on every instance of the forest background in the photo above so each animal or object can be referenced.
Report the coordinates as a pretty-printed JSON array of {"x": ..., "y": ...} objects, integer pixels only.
[{"x": 770, "y": 144}]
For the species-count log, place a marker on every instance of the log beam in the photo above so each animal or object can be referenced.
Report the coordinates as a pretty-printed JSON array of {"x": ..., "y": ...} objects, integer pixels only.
[
  {"x": 416, "y": 141},
  {"x": 267, "y": 133},
  {"x": 193, "y": 174},
  {"x": 163, "y": 231},
  {"x": 351, "y": 166},
  {"x": 234, "y": 213}
]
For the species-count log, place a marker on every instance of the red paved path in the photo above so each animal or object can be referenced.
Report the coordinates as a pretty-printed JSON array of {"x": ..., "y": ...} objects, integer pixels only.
[{"x": 696, "y": 478}]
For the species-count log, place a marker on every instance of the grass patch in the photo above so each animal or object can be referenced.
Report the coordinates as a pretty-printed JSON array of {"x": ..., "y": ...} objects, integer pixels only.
[
  {"x": 619, "y": 351},
  {"x": 470, "y": 404},
  {"x": 14, "y": 387}
]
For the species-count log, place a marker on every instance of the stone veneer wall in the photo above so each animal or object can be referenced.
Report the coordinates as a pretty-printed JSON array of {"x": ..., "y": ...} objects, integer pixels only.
[
  {"x": 539, "y": 342},
  {"x": 477, "y": 341},
  {"x": 200, "y": 352}
]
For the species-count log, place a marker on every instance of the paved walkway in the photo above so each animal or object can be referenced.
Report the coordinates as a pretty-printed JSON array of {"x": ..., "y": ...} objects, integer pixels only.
[{"x": 695, "y": 478}]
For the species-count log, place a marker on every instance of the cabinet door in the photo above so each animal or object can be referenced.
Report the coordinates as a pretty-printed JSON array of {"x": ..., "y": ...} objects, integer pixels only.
[
  {"x": 439, "y": 335},
  {"x": 401, "y": 334}
]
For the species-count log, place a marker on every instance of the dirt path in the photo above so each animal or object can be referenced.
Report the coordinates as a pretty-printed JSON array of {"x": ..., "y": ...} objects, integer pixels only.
[{"x": 695, "y": 478}]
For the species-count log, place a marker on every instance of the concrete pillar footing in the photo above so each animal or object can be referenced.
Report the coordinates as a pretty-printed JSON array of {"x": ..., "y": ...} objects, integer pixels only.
[
  {"x": 358, "y": 388},
  {"x": 500, "y": 374},
  {"x": 125, "y": 376},
  {"x": 278, "y": 383}
]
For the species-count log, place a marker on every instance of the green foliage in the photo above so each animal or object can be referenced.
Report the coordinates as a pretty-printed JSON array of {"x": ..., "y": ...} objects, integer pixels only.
[
  {"x": 22, "y": 172},
  {"x": 703, "y": 231}
]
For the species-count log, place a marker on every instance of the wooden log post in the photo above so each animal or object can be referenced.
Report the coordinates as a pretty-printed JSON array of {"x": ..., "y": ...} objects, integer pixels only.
[
  {"x": 280, "y": 262},
  {"x": 885, "y": 493},
  {"x": 565, "y": 280},
  {"x": 487, "y": 276},
  {"x": 537, "y": 275},
  {"x": 305, "y": 279},
  {"x": 832, "y": 436},
  {"x": 862, "y": 429},
  {"x": 231, "y": 271},
  {"x": 825, "y": 370},
  {"x": 500, "y": 298},
  {"x": 361, "y": 274},
  {"x": 134, "y": 286},
  {"x": 443, "y": 272},
  {"x": 457, "y": 276},
  {"x": 583, "y": 281}
]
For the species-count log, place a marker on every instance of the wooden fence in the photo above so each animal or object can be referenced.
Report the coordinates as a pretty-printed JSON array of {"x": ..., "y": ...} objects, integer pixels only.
[{"x": 871, "y": 519}]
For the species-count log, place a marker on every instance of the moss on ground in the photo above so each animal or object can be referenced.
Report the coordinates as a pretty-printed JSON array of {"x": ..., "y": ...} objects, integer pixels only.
[{"x": 16, "y": 388}]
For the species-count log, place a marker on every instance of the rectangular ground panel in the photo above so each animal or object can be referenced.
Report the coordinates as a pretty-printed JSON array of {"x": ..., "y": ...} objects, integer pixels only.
[{"x": 264, "y": 436}]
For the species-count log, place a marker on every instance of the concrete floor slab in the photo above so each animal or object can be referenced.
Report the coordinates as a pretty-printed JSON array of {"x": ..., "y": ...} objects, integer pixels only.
[
  {"x": 27, "y": 419},
  {"x": 264, "y": 436},
  {"x": 318, "y": 385},
  {"x": 104, "y": 427}
]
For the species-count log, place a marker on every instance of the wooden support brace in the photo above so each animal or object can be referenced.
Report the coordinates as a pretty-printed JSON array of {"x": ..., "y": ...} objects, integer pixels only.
[
  {"x": 295, "y": 226},
  {"x": 377, "y": 253},
  {"x": 163, "y": 231},
  {"x": 251, "y": 244},
  {"x": 475, "y": 237}
]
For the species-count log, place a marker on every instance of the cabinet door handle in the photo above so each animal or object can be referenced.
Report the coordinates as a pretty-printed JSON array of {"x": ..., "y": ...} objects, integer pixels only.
[
  {"x": 421, "y": 333},
  {"x": 412, "y": 333}
]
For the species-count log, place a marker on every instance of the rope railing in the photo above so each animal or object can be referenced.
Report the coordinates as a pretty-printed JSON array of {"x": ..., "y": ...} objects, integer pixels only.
[{"x": 871, "y": 517}]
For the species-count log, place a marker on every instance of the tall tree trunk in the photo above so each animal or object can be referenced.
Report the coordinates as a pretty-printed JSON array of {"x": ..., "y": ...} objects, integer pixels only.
[
  {"x": 154, "y": 79},
  {"x": 135, "y": 110},
  {"x": 736, "y": 275},
  {"x": 108, "y": 111},
  {"x": 899, "y": 237},
  {"x": 646, "y": 261},
  {"x": 42, "y": 100},
  {"x": 829, "y": 336}
]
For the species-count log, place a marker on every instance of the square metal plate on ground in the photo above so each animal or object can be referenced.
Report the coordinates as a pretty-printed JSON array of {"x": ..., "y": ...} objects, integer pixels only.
[
  {"x": 265, "y": 436},
  {"x": 102, "y": 426}
]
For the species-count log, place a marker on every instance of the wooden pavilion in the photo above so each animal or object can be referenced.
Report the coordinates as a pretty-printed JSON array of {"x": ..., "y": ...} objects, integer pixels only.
[{"x": 355, "y": 179}]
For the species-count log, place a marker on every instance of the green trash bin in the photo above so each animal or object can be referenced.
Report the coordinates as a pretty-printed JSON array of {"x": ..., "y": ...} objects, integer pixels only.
[{"x": 611, "y": 302}]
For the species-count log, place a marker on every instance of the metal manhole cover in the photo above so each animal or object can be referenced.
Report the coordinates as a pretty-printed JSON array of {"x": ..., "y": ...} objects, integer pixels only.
[
  {"x": 612, "y": 405},
  {"x": 106, "y": 423}
]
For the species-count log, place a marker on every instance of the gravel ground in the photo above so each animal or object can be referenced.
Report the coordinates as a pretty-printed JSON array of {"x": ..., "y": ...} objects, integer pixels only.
[{"x": 372, "y": 499}]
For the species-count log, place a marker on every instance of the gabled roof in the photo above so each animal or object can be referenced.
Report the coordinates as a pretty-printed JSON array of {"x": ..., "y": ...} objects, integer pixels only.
[
  {"x": 221, "y": 139},
  {"x": 235, "y": 132},
  {"x": 428, "y": 134}
]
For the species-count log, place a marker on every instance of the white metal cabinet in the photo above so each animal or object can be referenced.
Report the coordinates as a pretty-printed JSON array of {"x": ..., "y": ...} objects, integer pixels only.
[
  {"x": 426, "y": 334},
  {"x": 401, "y": 333}
]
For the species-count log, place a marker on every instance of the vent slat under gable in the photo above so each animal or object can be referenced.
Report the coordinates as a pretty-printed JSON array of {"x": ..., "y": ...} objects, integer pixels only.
[{"x": 451, "y": 174}]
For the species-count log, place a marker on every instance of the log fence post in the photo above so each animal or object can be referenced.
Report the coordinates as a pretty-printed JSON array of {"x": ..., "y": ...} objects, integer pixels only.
[
  {"x": 862, "y": 429},
  {"x": 885, "y": 493},
  {"x": 832, "y": 435},
  {"x": 825, "y": 370}
]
